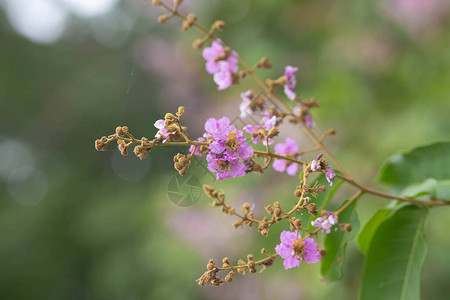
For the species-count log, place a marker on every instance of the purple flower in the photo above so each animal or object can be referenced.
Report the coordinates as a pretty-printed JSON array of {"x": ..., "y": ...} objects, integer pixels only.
[
  {"x": 222, "y": 69},
  {"x": 315, "y": 165},
  {"x": 162, "y": 132},
  {"x": 330, "y": 175},
  {"x": 309, "y": 121},
  {"x": 214, "y": 127},
  {"x": 245, "y": 105},
  {"x": 223, "y": 78},
  {"x": 325, "y": 223},
  {"x": 269, "y": 124},
  {"x": 293, "y": 249},
  {"x": 211, "y": 53},
  {"x": 228, "y": 147},
  {"x": 288, "y": 148},
  {"x": 289, "y": 73},
  {"x": 225, "y": 165}
]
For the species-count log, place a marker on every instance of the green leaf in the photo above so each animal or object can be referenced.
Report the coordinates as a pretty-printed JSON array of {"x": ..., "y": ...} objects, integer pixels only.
[
  {"x": 395, "y": 256},
  {"x": 422, "y": 191},
  {"x": 443, "y": 190},
  {"x": 430, "y": 188},
  {"x": 416, "y": 166},
  {"x": 335, "y": 243},
  {"x": 366, "y": 234},
  {"x": 322, "y": 198}
]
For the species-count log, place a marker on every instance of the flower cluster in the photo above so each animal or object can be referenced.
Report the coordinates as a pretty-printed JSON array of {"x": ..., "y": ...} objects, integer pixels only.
[
  {"x": 319, "y": 164},
  {"x": 267, "y": 126},
  {"x": 288, "y": 148},
  {"x": 293, "y": 249},
  {"x": 221, "y": 62},
  {"x": 325, "y": 222},
  {"x": 227, "y": 150},
  {"x": 300, "y": 112},
  {"x": 228, "y": 154},
  {"x": 290, "y": 82}
]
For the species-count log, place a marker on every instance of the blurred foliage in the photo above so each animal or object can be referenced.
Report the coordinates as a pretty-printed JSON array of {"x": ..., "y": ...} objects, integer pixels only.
[{"x": 102, "y": 230}]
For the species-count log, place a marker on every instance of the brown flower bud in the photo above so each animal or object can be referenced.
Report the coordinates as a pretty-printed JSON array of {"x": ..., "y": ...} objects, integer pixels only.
[
  {"x": 100, "y": 145},
  {"x": 238, "y": 224},
  {"x": 298, "y": 191},
  {"x": 140, "y": 152},
  {"x": 322, "y": 252},
  {"x": 269, "y": 209},
  {"x": 273, "y": 132},
  {"x": 189, "y": 21},
  {"x": 156, "y": 2},
  {"x": 312, "y": 209},
  {"x": 181, "y": 111},
  {"x": 277, "y": 212},
  {"x": 245, "y": 207},
  {"x": 219, "y": 25},
  {"x": 347, "y": 227},
  {"x": 210, "y": 191},
  {"x": 163, "y": 18},
  {"x": 198, "y": 44},
  {"x": 264, "y": 63}
]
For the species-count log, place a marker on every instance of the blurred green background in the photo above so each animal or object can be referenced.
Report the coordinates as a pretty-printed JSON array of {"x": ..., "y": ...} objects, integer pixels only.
[{"x": 81, "y": 224}]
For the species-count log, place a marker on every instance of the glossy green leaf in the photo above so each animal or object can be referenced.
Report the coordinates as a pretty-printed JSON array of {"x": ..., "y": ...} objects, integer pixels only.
[
  {"x": 395, "y": 257},
  {"x": 422, "y": 191},
  {"x": 429, "y": 189},
  {"x": 335, "y": 244},
  {"x": 366, "y": 234},
  {"x": 322, "y": 198},
  {"x": 443, "y": 190},
  {"x": 416, "y": 166}
]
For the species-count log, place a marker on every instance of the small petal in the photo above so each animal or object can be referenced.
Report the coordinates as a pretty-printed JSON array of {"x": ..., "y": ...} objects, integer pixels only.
[
  {"x": 291, "y": 262},
  {"x": 288, "y": 237},
  {"x": 244, "y": 151},
  {"x": 279, "y": 165},
  {"x": 237, "y": 169},
  {"x": 292, "y": 169}
]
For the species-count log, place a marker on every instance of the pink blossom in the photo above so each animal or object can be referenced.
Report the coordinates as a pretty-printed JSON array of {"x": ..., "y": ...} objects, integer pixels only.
[
  {"x": 162, "y": 132},
  {"x": 309, "y": 121},
  {"x": 245, "y": 105},
  {"x": 315, "y": 165},
  {"x": 222, "y": 69},
  {"x": 214, "y": 127},
  {"x": 287, "y": 148},
  {"x": 210, "y": 54},
  {"x": 227, "y": 149},
  {"x": 330, "y": 175},
  {"x": 223, "y": 78},
  {"x": 325, "y": 223},
  {"x": 268, "y": 124},
  {"x": 226, "y": 165},
  {"x": 291, "y": 82},
  {"x": 293, "y": 249}
]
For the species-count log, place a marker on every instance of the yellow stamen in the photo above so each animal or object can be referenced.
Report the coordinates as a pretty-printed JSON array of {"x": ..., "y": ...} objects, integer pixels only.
[
  {"x": 297, "y": 246},
  {"x": 232, "y": 140}
]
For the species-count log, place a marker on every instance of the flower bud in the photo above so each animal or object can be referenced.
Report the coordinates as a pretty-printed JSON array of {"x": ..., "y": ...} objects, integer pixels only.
[
  {"x": 347, "y": 227},
  {"x": 210, "y": 191},
  {"x": 163, "y": 18},
  {"x": 219, "y": 25}
]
